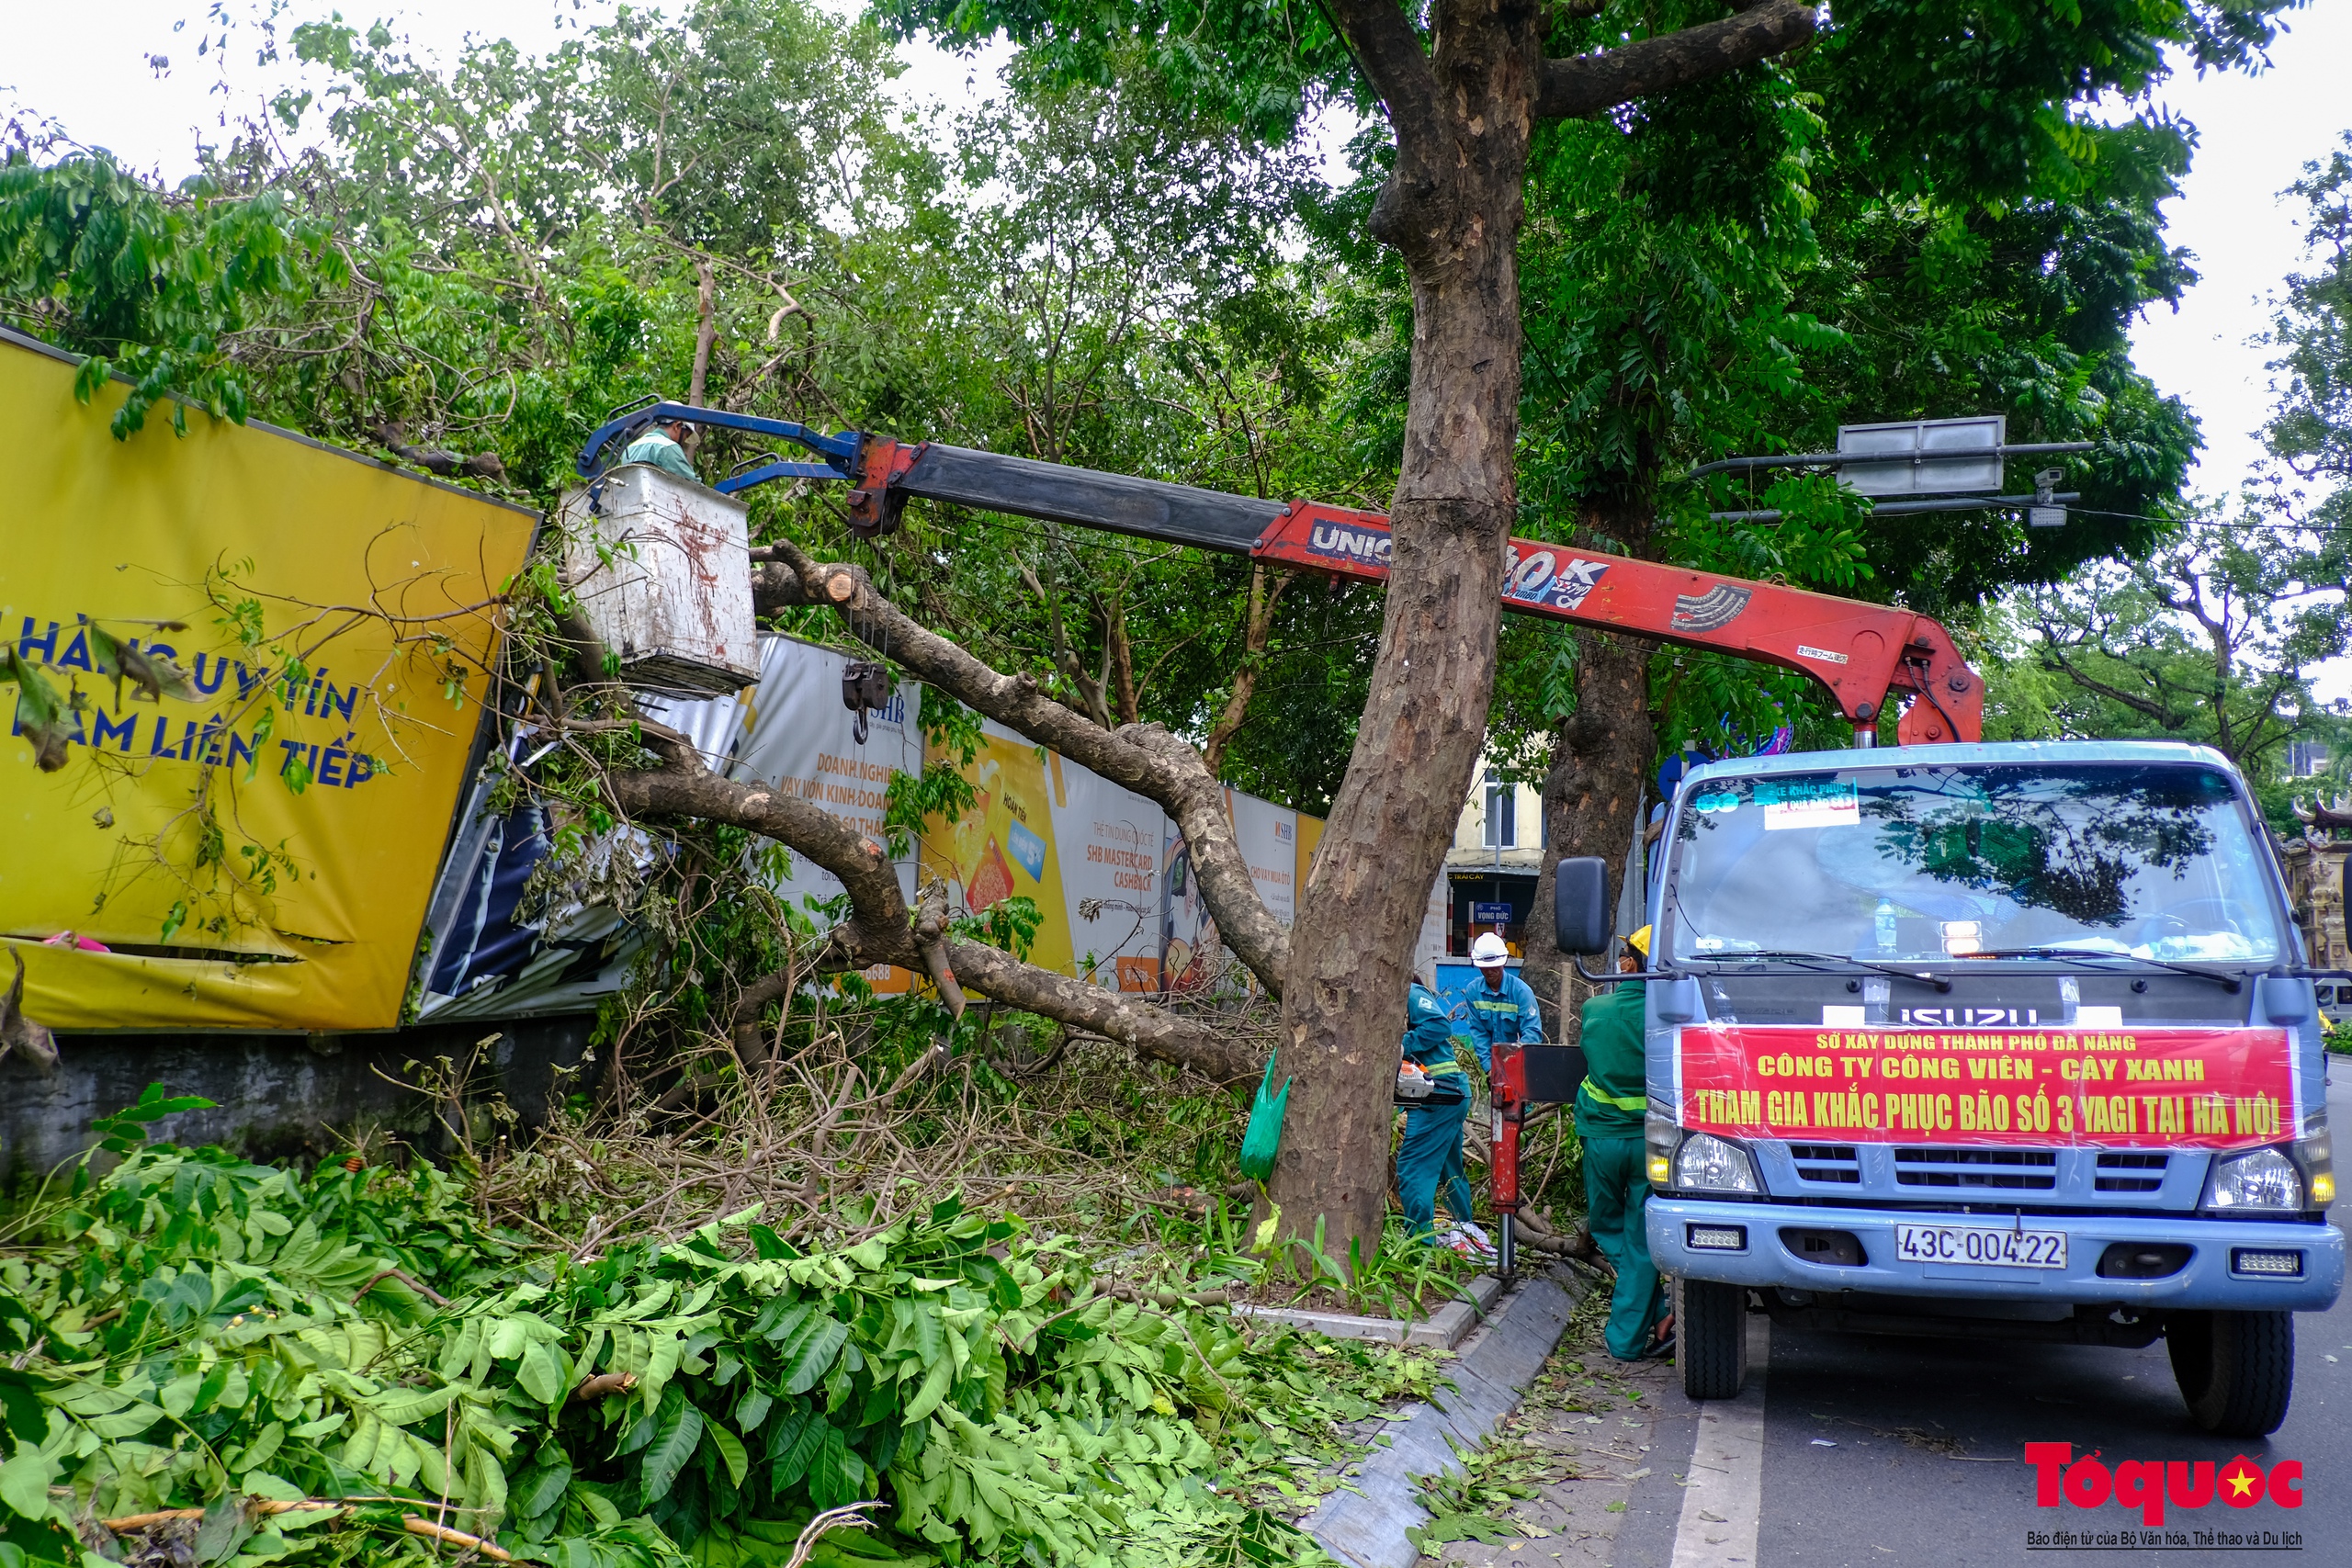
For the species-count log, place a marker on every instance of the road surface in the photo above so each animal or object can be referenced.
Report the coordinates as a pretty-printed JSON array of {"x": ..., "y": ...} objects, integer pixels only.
[{"x": 1855, "y": 1451}]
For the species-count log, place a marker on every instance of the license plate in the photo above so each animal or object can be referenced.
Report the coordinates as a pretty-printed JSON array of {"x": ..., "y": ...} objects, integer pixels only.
[{"x": 1982, "y": 1245}]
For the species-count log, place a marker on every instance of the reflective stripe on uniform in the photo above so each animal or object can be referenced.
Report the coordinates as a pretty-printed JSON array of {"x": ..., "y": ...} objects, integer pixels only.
[{"x": 1622, "y": 1101}]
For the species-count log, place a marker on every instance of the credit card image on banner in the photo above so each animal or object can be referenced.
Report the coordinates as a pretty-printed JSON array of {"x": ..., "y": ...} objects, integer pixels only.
[
  {"x": 1026, "y": 847},
  {"x": 1805, "y": 803}
]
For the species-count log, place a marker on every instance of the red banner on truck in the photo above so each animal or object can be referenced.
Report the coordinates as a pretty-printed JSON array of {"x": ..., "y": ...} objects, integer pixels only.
[{"x": 2128, "y": 1089}]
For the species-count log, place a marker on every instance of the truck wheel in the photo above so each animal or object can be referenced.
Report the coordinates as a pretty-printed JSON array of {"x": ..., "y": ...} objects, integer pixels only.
[
  {"x": 2237, "y": 1370},
  {"x": 1711, "y": 1325}
]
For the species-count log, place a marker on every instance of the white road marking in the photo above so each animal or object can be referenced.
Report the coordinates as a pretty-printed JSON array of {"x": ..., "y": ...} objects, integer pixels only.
[{"x": 1723, "y": 1503}]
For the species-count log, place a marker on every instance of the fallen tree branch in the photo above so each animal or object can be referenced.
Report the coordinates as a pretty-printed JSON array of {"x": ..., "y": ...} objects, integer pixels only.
[
  {"x": 880, "y": 929},
  {"x": 1145, "y": 758},
  {"x": 405, "y": 1277},
  {"x": 263, "y": 1506},
  {"x": 604, "y": 1385},
  {"x": 1151, "y": 1297},
  {"x": 432, "y": 1532},
  {"x": 448, "y": 465}
]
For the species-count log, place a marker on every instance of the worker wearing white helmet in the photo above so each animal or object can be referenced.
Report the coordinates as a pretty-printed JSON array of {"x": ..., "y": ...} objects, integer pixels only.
[{"x": 1502, "y": 1011}]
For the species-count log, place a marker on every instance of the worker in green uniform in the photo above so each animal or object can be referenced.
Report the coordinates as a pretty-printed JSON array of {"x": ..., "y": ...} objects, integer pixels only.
[
  {"x": 1610, "y": 1107},
  {"x": 663, "y": 445},
  {"x": 1430, "y": 1159}
]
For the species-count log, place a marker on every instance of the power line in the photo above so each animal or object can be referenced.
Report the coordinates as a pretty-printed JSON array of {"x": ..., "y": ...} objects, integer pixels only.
[{"x": 2246, "y": 525}]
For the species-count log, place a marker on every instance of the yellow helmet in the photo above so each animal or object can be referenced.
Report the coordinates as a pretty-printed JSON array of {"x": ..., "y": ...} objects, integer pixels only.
[{"x": 1640, "y": 941}]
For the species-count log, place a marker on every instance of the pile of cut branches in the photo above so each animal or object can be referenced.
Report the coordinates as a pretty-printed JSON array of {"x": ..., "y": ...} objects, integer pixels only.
[{"x": 215, "y": 1361}]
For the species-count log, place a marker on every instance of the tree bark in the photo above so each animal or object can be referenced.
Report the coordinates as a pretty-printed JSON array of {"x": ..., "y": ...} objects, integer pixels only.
[
  {"x": 1257, "y": 632},
  {"x": 1145, "y": 758},
  {"x": 706, "y": 330},
  {"x": 1128, "y": 703},
  {"x": 1601, "y": 766},
  {"x": 1453, "y": 208}
]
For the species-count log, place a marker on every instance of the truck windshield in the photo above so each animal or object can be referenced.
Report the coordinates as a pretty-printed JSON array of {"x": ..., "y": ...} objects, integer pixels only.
[{"x": 1930, "y": 863}]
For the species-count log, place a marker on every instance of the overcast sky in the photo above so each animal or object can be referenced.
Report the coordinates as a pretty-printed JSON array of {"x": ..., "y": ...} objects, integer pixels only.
[{"x": 2257, "y": 134}]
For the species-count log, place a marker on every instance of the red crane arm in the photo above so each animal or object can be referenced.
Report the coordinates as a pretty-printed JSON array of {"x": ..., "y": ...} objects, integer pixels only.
[{"x": 1860, "y": 651}]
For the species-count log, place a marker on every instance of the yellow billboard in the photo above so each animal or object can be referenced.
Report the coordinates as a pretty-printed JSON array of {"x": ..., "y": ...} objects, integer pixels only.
[{"x": 267, "y": 663}]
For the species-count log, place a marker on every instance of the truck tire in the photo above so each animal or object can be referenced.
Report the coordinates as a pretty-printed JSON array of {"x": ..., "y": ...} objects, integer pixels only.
[
  {"x": 2237, "y": 1370},
  {"x": 1711, "y": 1331}
]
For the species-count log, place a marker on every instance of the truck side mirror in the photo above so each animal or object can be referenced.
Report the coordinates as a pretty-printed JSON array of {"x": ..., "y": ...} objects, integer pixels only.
[{"x": 1580, "y": 905}]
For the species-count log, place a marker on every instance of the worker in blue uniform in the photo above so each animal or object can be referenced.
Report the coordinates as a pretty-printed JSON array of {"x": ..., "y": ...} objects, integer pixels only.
[
  {"x": 1429, "y": 1161},
  {"x": 1502, "y": 1011}
]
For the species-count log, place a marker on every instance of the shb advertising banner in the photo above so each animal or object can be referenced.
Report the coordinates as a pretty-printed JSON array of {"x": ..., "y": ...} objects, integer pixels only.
[{"x": 251, "y": 847}]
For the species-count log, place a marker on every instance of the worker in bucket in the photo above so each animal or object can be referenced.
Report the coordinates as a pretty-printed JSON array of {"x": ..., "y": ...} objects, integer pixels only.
[
  {"x": 1502, "y": 1011},
  {"x": 662, "y": 443},
  {"x": 1610, "y": 1106},
  {"x": 1435, "y": 1092}
]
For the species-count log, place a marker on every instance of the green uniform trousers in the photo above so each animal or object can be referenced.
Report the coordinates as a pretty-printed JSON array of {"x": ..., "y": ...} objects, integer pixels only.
[
  {"x": 1429, "y": 1161},
  {"x": 1616, "y": 1190}
]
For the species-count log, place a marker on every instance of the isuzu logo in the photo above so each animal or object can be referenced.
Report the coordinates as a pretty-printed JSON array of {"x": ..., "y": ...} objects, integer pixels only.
[{"x": 1971, "y": 1018}]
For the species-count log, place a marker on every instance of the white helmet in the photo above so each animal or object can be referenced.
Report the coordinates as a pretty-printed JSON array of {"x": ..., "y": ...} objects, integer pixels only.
[{"x": 1489, "y": 951}]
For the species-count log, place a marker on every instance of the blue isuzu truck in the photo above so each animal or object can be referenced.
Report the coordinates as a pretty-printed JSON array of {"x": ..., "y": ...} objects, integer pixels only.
[{"x": 2005, "y": 1040}]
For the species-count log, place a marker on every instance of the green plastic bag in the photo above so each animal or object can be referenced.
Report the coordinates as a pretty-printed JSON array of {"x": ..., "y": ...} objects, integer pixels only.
[{"x": 1265, "y": 1134}]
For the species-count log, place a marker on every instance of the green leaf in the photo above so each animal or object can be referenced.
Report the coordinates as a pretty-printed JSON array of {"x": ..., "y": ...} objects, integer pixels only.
[
  {"x": 408, "y": 1406},
  {"x": 508, "y": 1336},
  {"x": 679, "y": 1428},
  {"x": 541, "y": 1490},
  {"x": 935, "y": 1384},
  {"x": 42, "y": 716},
  {"x": 835, "y": 1475},
  {"x": 541, "y": 1373},
  {"x": 792, "y": 1445},
  {"x": 1002, "y": 1290},
  {"x": 263, "y": 1448},
  {"x": 24, "y": 1483},
  {"x": 730, "y": 1451},
  {"x": 809, "y": 1354}
]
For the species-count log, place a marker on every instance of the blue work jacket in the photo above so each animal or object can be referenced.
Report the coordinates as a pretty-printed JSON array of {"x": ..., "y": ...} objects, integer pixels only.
[
  {"x": 1429, "y": 1039},
  {"x": 1505, "y": 1017}
]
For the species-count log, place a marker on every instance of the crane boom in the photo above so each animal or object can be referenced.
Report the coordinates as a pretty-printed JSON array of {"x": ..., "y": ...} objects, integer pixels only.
[{"x": 1858, "y": 651}]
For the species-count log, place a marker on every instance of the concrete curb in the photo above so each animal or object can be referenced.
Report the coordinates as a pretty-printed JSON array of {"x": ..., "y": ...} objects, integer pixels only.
[
  {"x": 1365, "y": 1527},
  {"x": 1445, "y": 1328}
]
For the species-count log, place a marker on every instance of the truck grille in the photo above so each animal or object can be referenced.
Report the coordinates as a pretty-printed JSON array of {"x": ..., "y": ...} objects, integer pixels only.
[
  {"x": 2131, "y": 1173},
  {"x": 1826, "y": 1162},
  {"x": 2033, "y": 1170}
]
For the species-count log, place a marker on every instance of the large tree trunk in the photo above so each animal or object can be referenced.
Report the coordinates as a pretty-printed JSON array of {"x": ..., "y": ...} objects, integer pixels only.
[
  {"x": 1453, "y": 208},
  {"x": 1600, "y": 764}
]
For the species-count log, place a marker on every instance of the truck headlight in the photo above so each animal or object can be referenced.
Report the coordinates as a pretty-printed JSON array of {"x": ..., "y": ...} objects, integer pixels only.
[
  {"x": 1659, "y": 1134},
  {"x": 2315, "y": 1155},
  {"x": 2264, "y": 1178},
  {"x": 1707, "y": 1163}
]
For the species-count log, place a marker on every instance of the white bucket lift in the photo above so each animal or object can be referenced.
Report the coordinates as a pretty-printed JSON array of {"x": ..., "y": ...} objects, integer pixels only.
[{"x": 663, "y": 569}]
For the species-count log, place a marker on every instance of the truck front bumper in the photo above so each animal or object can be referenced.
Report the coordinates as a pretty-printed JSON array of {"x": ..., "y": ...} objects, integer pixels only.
[{"x": 2210, "y": 1279}]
